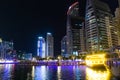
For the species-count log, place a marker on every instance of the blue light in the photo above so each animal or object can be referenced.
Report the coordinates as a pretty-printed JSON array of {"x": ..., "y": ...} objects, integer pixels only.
[
  {"x": 40, "y": 37},
  {"x": 41, "y": 47},
  {"x": 49, "y": 33}
]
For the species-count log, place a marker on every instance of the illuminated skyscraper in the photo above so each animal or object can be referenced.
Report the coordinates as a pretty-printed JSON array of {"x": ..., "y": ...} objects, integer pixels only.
[
  {"x": 49, "y": 45},
  {"x": 100, "y": 32},
  {"x": 75, "y": 30},
  {"x": 111, "y": 32},
  {"x": 117, "y": 21},
  {"x": 41, "y": 47},
  {"x": 6, "y": 49}
]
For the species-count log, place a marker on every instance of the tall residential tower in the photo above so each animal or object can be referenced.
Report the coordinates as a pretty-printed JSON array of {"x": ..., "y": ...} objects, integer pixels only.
[
  {"x": 100, "y": 31},
  {"x": 49, "y": 45},
  {"x": 41, "y": 47},
  {"x": 117, "y": 21}
]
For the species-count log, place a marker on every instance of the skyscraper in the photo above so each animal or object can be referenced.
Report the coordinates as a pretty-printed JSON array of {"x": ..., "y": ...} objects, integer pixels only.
[
  {"x": 111, "y": 32},
  {"x": 75, "y": 25},
  {"x": 117, "y": 21},
  {"x": 49, "y": 45},
  {"x": 97, "y": 24},
  {"x": 6, "y": 49},
  {"x": 64, "y": 47},
  {"x": 41, "y": 47}
]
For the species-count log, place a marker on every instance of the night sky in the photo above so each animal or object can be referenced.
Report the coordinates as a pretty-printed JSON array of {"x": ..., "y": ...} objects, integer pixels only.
[{"x": 24, "y": 20}]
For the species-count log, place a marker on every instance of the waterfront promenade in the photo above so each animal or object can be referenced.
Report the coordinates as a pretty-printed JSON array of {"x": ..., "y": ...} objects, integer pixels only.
[{"x": 51, "y": 62}]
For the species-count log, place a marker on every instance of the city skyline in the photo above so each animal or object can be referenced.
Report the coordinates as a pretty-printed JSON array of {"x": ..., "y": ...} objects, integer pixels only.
[
  {"x": 24, "y": 22},
  {"x": 60, "y": 40},
  {"x": 45, "y": 46}
]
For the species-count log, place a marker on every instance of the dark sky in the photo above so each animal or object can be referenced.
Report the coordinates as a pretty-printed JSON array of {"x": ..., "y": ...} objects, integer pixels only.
[{"x": 24, "y": 20}]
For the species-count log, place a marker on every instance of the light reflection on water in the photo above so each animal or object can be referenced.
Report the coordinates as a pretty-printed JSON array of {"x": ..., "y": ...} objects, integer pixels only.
[
  {"x": 6, "y": 72},
  {"x": 20, "y": 72},
  {"x": 59, "y": 72},
  {"x": 40, "y": 73},
  {"x": 33, "y": 72},
  {"x": 98, "y": 74}
]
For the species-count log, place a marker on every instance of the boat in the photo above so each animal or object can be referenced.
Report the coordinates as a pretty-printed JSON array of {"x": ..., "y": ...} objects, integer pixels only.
[{"x": 95, "y": 59}]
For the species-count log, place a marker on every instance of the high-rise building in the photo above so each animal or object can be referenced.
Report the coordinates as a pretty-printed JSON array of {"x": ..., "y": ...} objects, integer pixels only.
[
  {"x": 75, "y": 30},
  {"x": 98, "y": 26},
  {"x": 117, "y": 21},
  {"x": 6, "y": 49},
  {"x": 64, "y": 47},
  {"x": 111, "y": 32},
  {"x": 49, "y": 45},
  {"x": 41, "y": 47}
]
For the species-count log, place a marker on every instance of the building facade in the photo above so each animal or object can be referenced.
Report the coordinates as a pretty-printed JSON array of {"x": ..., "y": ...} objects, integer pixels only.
[
  {"x": 49, "y": 45},
  {"x": 41, "y": 47},
  {"x": 27, "y": 56},
  {"x": 75, "y": 32},
  {"x": 111, "y": 32},
  {"x": 100, "y": 32},
  {"x": 6, "y": 49},
  {"x": 64, "y": 47},
  {"x": 117, "y": 21}
]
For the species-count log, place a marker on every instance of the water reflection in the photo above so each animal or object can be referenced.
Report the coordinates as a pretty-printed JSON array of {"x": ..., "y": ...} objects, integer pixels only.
[
  {"x": 25, "y": 72},
  {"x": 33, "y": 72},
  {"x": 98, "y": 73},
  {"x": 6, "y": 72},
  {"x": 115, "y": 69},
  {"x": 59, "y": 72},
  {"x": 39, "y": 73}
]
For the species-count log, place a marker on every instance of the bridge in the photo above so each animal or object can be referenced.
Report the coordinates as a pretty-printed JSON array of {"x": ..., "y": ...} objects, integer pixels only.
[{"x": 46, "y": 62}]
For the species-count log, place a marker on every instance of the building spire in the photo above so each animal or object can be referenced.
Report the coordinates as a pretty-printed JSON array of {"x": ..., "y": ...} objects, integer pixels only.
[{"x": 119, "y": 3}]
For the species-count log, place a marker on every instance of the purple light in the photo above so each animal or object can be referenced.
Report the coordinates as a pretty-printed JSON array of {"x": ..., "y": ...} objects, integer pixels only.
[
  {"x": 9, "y": 61},
  {"x": 6, "y": 61}
]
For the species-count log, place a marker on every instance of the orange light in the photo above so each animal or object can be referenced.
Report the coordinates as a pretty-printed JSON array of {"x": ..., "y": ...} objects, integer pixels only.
[
  {"x": 95, "y": 59},
  {"x": 97, "y": 74}
]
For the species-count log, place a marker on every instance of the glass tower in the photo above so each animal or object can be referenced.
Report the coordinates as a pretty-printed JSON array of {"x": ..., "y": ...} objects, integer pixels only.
[
  {"x": 98, "y": 26},
  {"x": 41, "y": 47},
  {"x": 75, "y": 25},
  {"x": 64, "y": 47},
  {"x": 49, "y": 45}
]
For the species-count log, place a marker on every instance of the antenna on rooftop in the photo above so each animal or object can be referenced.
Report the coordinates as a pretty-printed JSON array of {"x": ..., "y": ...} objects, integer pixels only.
[{"x": 119, "y": 3}]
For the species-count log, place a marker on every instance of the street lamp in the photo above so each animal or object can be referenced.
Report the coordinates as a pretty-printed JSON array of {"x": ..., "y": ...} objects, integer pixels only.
[
  {"x": 59, "y": 57},
  {"x": 73, "y": 57},
  {"x": 0, "y": 40}
]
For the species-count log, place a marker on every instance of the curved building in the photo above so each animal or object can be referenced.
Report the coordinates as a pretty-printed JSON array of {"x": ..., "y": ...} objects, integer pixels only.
[
  {"x": 100, "y": 31},
  {"x": 75, "y": 29}
]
